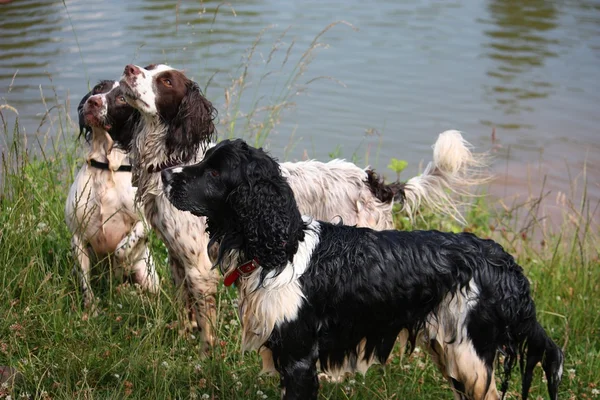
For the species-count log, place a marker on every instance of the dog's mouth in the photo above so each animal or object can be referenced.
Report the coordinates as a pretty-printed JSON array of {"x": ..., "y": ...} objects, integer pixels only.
[
  {"x": 93, "y": 120},
  {"x": 134, "y": 99},
  {"x": 128, "y": 91}
]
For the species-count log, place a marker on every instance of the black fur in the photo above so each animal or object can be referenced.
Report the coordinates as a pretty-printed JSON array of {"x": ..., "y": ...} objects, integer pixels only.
[
  {"x": 360, "y": 284},
  {"x": 121, "y": 118}
]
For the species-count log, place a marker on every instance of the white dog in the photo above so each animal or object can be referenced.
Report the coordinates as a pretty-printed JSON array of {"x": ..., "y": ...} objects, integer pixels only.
[{"x": 100, "y": 211}]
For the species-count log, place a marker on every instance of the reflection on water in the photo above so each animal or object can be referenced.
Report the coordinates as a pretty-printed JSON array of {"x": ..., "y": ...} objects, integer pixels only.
[
  {"x": 414, "y": 68},
  {"x": 520, "y": 41},
  {"x": 30, "y": 40}
]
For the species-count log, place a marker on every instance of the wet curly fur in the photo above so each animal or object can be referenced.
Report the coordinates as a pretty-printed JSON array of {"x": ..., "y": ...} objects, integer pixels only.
[{"x": 339, "y": 296}]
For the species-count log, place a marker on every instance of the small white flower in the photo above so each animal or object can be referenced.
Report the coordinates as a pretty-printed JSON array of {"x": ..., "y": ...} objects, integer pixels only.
[
  {"x": 4, "y": 385},
  {"x": 116, "y": 376},
  {"x": 238, "y": 384},
  {"x": 558, "y": 298},
  {"x": 352, "y": 382},
  {"x": 149, "y": 325},
  {"x": 193, "y": 337},
  {"x": 260, "y": 393},
  {"x": 165, "y": 364},
  {"x": 120, "y": 305},
  {"x": 264, "y": 396},
  {"x": 41, "y": 227},
  {"x": 233, "y": 322},
  {"x": 197, "y": 367},
  {"x": 85, "y": 371},
  {"x": 8, "y": 397},
  {"x": 234, "y": 376},
  {"x": 595, "y": 392},
  {"x": 205, "y": 396}
]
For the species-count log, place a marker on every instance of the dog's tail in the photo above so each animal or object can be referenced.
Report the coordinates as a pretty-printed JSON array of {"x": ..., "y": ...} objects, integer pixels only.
[
  {"x": 454, "y": 171},
  {"x": 538, "y": 347}
]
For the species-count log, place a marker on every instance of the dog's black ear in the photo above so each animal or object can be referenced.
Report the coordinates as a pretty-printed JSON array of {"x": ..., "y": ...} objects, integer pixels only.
[
  {"x": 84, "y": 130},
  {"x": 193, "y": 125},
  {"x": 267, "y": 209}
]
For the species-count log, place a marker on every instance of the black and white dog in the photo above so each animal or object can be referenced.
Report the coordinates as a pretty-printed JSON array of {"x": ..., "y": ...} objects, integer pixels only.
[{"x": 314, "y": 292}]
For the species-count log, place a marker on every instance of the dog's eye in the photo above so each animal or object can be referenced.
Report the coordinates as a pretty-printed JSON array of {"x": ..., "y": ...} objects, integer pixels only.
[
  {"x": 214, "y": 172},
  {"x": 121, "y": 100},
  {"x": 96, "y": 89},
  {"x": 167, "y": 82}
]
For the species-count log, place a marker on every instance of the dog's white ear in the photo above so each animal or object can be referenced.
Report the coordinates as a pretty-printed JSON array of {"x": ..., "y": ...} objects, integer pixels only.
[
  {"x": 108, "y": 143},
  {"x": 114, "y": 160}
]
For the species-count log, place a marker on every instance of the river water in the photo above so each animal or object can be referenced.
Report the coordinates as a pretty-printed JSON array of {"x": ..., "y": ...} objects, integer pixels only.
[{"x": 381, "y": 86}]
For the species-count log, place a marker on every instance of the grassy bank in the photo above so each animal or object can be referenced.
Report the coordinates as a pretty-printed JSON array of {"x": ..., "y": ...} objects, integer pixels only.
[{"x": 133, "y": 348}]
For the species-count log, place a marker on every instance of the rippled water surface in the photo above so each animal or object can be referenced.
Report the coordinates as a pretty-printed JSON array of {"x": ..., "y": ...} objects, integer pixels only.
[{"x": 403, "y": 72}]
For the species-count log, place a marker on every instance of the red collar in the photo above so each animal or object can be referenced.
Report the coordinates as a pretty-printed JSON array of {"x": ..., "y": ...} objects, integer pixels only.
[{"x": 244, "y": 269}]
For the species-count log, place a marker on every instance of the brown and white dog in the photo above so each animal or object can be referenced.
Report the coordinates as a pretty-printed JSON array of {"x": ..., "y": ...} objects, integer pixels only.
[
  {"x": 100, "y": 211},
  {"x": 176, "y": 128}
]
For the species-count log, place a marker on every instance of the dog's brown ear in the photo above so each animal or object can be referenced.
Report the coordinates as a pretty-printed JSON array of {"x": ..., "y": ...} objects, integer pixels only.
[{"x": 193, "y": 125}]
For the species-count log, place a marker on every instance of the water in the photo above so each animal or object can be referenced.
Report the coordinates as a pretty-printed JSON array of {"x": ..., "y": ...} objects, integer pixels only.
[{"x": 414, "y": 68}]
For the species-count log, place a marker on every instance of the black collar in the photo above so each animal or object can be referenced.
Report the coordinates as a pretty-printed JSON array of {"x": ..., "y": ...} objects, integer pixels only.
[{"x": 101, "y": 165}]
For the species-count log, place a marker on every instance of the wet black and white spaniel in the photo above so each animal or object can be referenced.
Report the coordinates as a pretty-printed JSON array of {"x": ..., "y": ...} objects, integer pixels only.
[
  {"x": 100, "y": 210},
  {"x": 314, "y": 292}
]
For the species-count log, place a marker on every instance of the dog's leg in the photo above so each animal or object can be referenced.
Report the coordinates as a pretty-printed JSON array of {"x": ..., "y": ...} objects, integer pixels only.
[
  {"x": 82, "y": 255},
  {"x": 130, "y": 242},
  {"x": 202, "y": 284},
  {"x": 178, "y": 279},
  {"x": 144, "y": 270},
  {"x": 295, "y": 353},
  {"x": 471, "y": 376}
]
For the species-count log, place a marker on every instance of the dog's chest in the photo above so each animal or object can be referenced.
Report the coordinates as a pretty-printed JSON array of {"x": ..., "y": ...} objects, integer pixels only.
[
  {"x": 183, "y": 233},
  {"x": 103, "y": 206}
]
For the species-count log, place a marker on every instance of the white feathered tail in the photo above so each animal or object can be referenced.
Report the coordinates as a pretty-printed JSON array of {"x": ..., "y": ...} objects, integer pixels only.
[{"x": 454, "y": 172}]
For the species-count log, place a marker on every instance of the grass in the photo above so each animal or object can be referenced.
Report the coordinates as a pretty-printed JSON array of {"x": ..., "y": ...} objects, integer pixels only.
[{"x": 134, "y": 350}]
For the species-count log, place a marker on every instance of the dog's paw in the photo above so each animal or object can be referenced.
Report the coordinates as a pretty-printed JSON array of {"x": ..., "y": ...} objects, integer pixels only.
[
  {"x": 91, "y": 307},
  {"x": 323, "y": 377}
]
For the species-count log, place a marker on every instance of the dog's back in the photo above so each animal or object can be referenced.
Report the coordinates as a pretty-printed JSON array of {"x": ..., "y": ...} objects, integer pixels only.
[{"x": 464, "y": 297}]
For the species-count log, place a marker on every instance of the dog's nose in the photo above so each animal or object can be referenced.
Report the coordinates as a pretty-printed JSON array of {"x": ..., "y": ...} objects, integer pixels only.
[
  {"x": 94, "y": 102},
  {"x": 167, "y": 176},
  {"x": 131, "y": 70}
]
